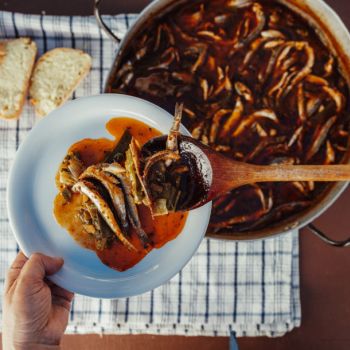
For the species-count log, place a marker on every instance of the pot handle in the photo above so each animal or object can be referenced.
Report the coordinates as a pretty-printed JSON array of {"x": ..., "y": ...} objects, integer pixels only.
[
  {"x": 325, "y": 238},
  {"x": 102, "y": 24}
]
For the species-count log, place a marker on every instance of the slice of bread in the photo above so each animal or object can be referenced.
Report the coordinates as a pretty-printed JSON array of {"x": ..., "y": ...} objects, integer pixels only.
[
  {"x": 17, "y": 59},
  {"x": 56, "y": 75}
]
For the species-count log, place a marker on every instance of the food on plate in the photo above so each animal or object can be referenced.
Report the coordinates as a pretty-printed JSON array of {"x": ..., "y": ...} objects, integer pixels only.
[
  {"x": 103, "y": 202},
  {"x": 17, "y": 58},
  {"x": 258, "y": 84},
  {"x": 56, "y": 75}
]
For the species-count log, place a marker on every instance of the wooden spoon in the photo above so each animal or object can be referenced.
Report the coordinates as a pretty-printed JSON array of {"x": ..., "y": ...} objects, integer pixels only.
[{"x": 215, "y": 174}]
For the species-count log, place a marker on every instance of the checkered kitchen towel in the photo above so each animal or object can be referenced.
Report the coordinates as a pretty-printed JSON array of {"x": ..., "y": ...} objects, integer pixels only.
[{"x": 250, "y": 288}]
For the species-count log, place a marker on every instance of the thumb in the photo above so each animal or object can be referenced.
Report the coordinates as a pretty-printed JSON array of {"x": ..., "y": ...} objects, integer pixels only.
[{"x": 38, "y": 266}]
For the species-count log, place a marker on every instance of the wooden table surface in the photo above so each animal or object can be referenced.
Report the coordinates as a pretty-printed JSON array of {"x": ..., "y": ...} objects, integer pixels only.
[{"x": 325, "y": 271}]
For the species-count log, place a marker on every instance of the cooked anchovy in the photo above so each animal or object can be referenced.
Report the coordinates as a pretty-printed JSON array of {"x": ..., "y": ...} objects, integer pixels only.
[
  {"x": 233, "y": 119},
  {"x": 155, "y": 83},
  {"x": 330, "y": 154},
  {"x": 244, "y": 91},
  {"x": 125, "y": 69},
  {"x": 184, "y": 36},
  {"x": 279, "y": 85},
  {"x": 247, "y": 121},
  {"x": 93, "y": 213},
  {"x": 117, "y": 154},
  {"x": 343, "y": 133},
  {"x": 70, "y": 169},
  {"x": 277, "y": 213},
  {"x": 291, "y": 79},
  {"x": 284, "y": 160},
  {"x": 136, "y": 187},
  {"x": 287, "y": 48},
  {"x": 263, "y": 76},
  {"x": 88, "y": 189},
  {"x": 313, "y": 105},
  {"x": 221, "y": 19},
  {"x": 224, "y": 84},
  {"x": 295, "y": 136},
  {"x": 172, "y": 141},
  {"x": 314, "y": 79},
  {"x": 158, "y": 38},
  {"x": 183, "y": 77},
  {"x": 157, "y": 157},
  {"x": 205, "y": 87},
  {"x": 260, "y": 130},
  {"x": 116, "y": 170},
  {"x": 111, "y": 184},
  {"x": 141, "y": 53},
  {"x": 220, "y": 201},
  {"x": 210, "y": 35},
  {"x": 262, "y": 146},
  {"x": 170, "y": 35},
  {"x": 220, "y": 73},
  {"x": 255, "y": 46},
  {"x": 169, "y": 56},
  {"x": 197, "y": 131},
  {"x": 135, "y": 154},
  {"x": 273, "y": 44},
  {"x": 162, "y": 160},
  {"x": 193, "y": 19},
  {"x": 227, "y": 207},
  {"x": 288, "y": 63},
  {"x": 240, "y": 219},
  {"x": 216, "y": 123},
  {"x": 328, "y": 67},
  {"x": 222, "y": 148},
  {"x": 301, "y": 103},
  {"x": 337, "y": 97},
  {"x": 75, "y": 165},
  {"x": 267, "y": 37},
  {"x": 66, "y": 178},
  {"x": 189, "y": 112},
  {"x": 238, "y": 3},
  {"x": 300, "y": 187},
  {"x": 261, "y": 20},
  {"x": 319, "y": 137},
  {"x": 205, "y": 139},
  {"x": 272, "y": 34},
  {"x": 304, "y": 71}
]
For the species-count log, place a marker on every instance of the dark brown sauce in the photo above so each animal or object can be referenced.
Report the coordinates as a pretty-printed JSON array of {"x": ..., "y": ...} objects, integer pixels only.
[
  {"x": 147, "y": 73},
  {"x": 159, "y": 229}
]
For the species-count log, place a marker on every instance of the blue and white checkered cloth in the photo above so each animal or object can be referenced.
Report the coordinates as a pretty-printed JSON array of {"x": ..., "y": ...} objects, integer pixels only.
[{"x": 249, "y": 288}]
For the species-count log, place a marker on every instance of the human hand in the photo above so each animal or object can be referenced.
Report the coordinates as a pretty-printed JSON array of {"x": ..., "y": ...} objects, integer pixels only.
[{"x": 35, "y": 310}]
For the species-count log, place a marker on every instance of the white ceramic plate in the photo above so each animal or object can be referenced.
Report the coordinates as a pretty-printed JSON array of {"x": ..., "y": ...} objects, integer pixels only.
[{"x": 31, "y": 192}]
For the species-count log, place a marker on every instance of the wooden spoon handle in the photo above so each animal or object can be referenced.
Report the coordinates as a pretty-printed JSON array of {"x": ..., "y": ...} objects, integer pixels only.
[{"x": 339, "y": 172}]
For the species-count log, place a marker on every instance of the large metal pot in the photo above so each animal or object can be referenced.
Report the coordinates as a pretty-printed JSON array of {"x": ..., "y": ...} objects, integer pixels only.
[{"x": 332, "y": 30}]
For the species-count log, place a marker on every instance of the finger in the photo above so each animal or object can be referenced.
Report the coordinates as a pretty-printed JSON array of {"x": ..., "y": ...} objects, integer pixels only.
[
  {"x": 61, "y": 293},
  {"x": 15, "y": 270},
  {"x": 38, "y": 266}
]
